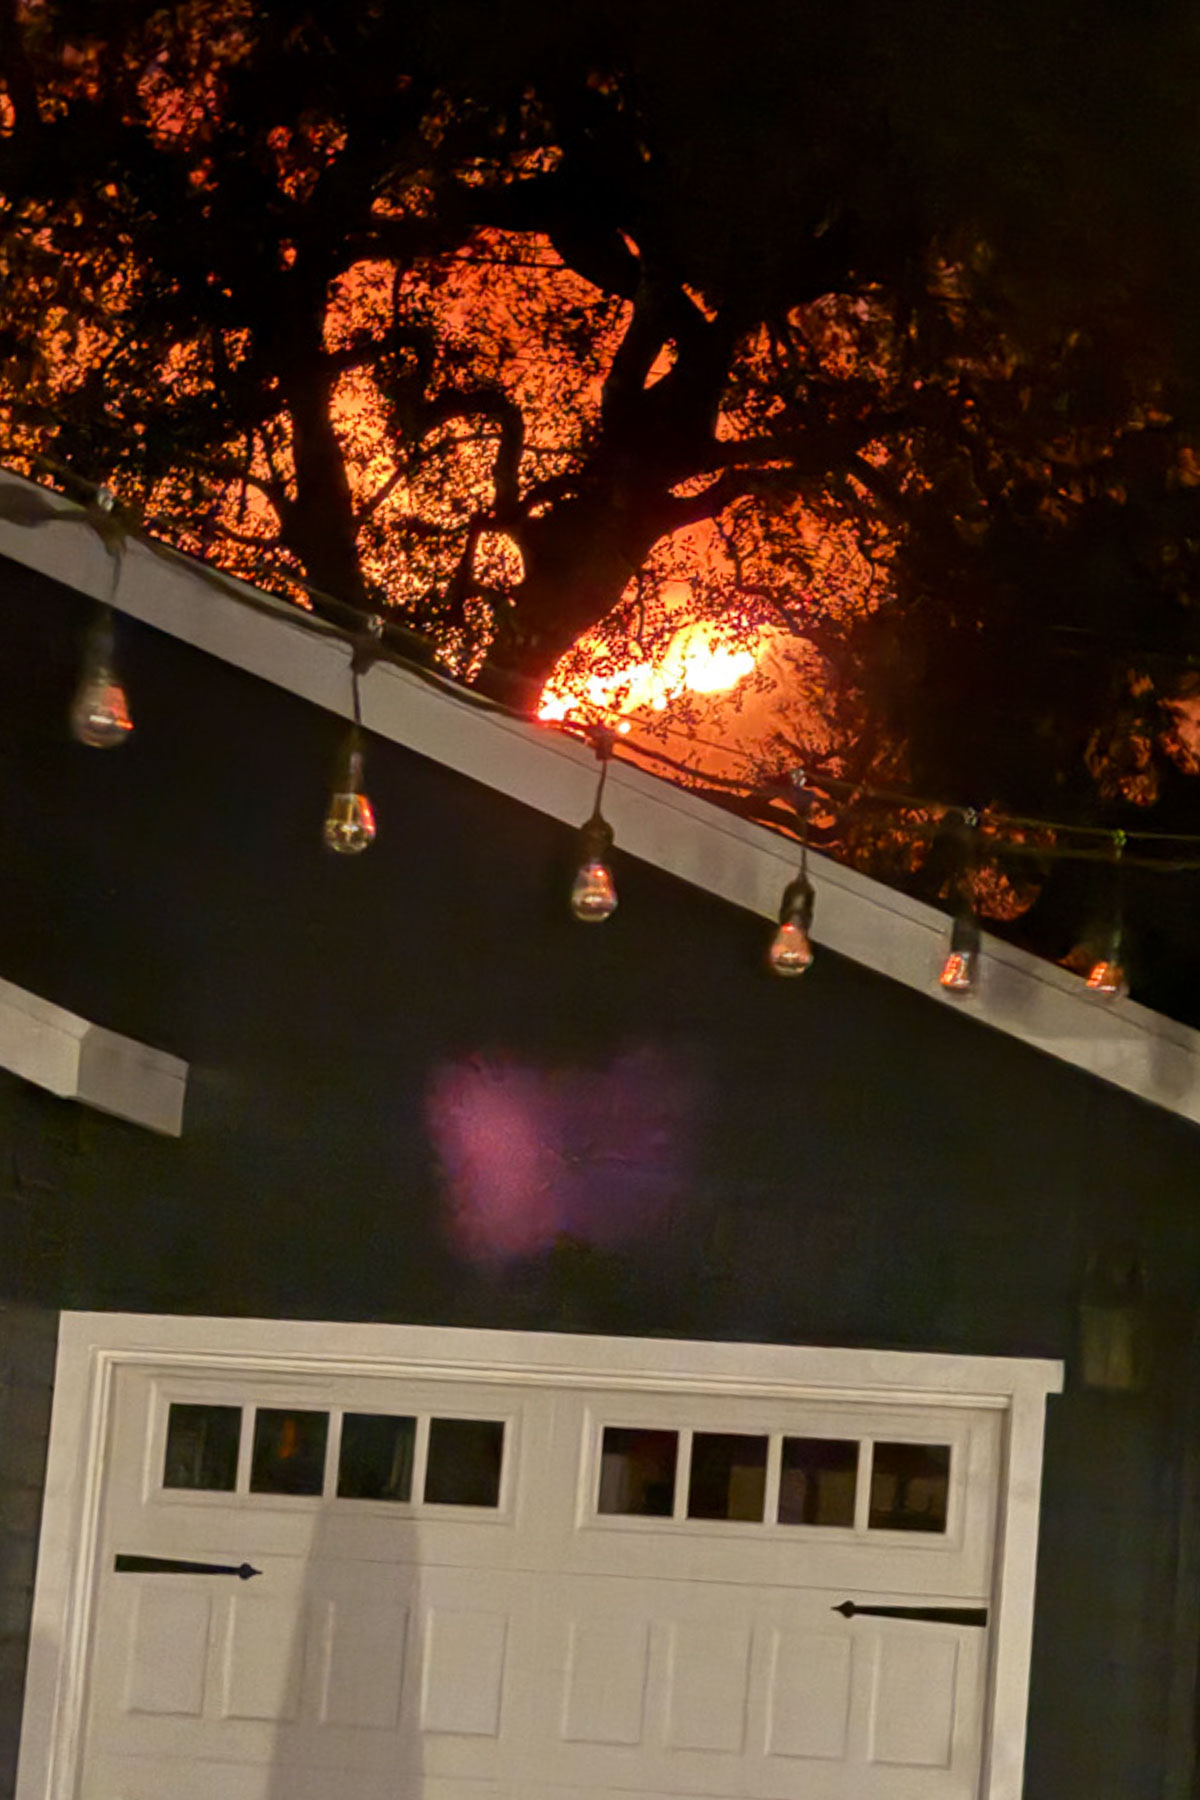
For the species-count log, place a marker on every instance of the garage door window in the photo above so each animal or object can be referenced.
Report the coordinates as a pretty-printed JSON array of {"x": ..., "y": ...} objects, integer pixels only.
[
  {"x": 399, "y": 1458},
  {"x": 910, "y": 1484},
  {"x": 728, "y": 1476},
  {"x": 202, "y": 1448},
  {"x": 818, "y": 1481},
  {"x": 637, "y": 1472},
  {"x": 771, "y": 1479},
  {"x": 375, "y": 1461},
  {"x": 464, "y": 1462},
  {"x": 289, "y": 1451}
]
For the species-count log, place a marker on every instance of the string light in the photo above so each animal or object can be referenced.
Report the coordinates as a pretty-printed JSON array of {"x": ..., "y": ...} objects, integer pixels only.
[
  {"x": 961, "y": 967},
  {"x": 594, "y": 892},
  {"x": 100, "y": 717},
  {"x": 423, "y": 650},
  {"x": 1107, "y": 974},
  {"x": 100, "y": 711},
  {"x": 350, "y": 817},
  {"x": 791, "y": 951}
]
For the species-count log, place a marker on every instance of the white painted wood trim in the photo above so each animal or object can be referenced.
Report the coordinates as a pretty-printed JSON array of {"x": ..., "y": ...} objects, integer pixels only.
[
  {"x": 77, "y": 1060},
  {"x": 743, "y": 863},
  {"x": 92, "y": 1346},
  {"x": 1013, "y": 1596}
]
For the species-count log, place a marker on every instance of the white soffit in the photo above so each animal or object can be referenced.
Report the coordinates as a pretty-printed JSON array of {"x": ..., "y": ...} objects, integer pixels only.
[
  {"x": 738, "y": 861},
  {"x": 58, "y": 1050}
]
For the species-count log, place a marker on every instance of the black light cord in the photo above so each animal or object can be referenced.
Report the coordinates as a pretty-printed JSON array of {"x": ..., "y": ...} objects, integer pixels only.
[{"x": 373, "y": 644}]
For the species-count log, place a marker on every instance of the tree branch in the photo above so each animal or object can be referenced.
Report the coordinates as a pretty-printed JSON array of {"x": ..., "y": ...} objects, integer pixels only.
[
  {"x": 275, "y": 491},
  {"x": 555, "y": 206},
  {"x": 489, "y": 402},
  {"x": 645, "y": 336},
  {"x": 833, "y": 446},
  {"x": 692, "y": 509},
  {"x": 462, "y": 585},
  {"x": 381, "y": 494},
  {"x": 242, "y": 537}
]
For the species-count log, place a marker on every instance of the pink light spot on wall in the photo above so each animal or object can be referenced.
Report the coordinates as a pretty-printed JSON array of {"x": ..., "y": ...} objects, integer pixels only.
[{"x": 529, "y": 1153}]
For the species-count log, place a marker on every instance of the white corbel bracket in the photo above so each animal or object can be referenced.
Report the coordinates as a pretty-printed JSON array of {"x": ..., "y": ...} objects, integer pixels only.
[{"x": 77, "y": 1060}]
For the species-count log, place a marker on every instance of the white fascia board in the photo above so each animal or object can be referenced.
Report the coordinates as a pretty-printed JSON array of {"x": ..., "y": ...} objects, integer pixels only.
[
  {"x": 732, "y": 858},
  {"x": 76, "y": 1060}
]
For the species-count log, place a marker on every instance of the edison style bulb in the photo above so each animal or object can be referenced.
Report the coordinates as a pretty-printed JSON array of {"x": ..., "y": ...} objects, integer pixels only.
[
  {"x": 350, "y": 818},
  {"x": 100, "y": 712},
  {"x": 594, "y": 894},
  {"x": 962, "y": 959},
  {"x": 958, "y": 972},
  {"x": 1107, "y": 977},
  {"x": 791, "y": 949}
]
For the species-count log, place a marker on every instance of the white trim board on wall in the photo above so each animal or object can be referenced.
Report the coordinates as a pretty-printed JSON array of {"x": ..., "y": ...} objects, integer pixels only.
[
  {"x": 93, "y": 1347},
  {"x": 70, "y": 1057},
  {"x": 740, "y": 862}
]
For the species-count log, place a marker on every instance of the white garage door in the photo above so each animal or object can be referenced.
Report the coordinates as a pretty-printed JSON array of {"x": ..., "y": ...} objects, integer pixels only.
[{"x": 455, "y": 1583}]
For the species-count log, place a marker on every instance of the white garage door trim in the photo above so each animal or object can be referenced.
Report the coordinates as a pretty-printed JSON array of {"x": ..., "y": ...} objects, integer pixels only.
[{"x": 93, "y": 1346}]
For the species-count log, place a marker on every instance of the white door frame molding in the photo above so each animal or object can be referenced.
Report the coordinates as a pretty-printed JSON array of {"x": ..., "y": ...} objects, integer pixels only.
[{"x": 94, "y": 1346}]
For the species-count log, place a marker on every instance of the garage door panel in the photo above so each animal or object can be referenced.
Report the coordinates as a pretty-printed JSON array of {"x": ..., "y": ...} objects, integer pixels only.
[
  {"x": 309, "y": 1458},
  {"x": 689, "y": 1555},
  {"x": 708, "y": 1685},
  {"x": 340, "y": 1667},
  {"x": 462, "y": 1684},
  {"x": 516, "y": 1640},
  {"x": 363, "y": 1652},
  {"x": 736, "y": 1690},
  {"x": 605, "y": 1674},
  {"x": 243, "y": 1530},
  {"x": 263, "y": 1662},
  {"x": 115, "y": 1778},
  {"x": 167, "y": 1653},
  {"x": 914, "y": 1696},
  {"x": 647, "y": 1526},
  {"x": 809, "y": 1690}
]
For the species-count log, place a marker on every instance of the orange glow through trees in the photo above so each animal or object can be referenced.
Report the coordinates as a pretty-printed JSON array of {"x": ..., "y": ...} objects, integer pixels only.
[{"x": 701, "y": 658}]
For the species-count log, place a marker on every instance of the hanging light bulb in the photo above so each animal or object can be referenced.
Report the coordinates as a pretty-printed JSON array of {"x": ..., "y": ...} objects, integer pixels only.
[
  {"x": 961, "y": 966},
  {"x": 593, "y": 891},
  {"x": 100, "y": 712},
  {"x": 350, "y": 817},
  {"x": 791, "y": 949},
  {"x": 1107, "y": 974}
]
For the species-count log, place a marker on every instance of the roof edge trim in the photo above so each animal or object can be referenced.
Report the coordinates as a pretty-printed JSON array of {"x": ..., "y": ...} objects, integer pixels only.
[
  {"x": 740, "y": 862},
  {"x": 68, "y": 1056}
]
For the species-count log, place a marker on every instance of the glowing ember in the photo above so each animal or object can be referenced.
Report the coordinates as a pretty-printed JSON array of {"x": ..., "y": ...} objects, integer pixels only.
[{"x": 701, "y": 658}]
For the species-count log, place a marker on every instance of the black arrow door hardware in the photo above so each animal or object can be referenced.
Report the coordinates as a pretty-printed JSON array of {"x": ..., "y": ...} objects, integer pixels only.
[
  {"x": 933, "y": 1615},
  {"x": 167, "y": 1565}
]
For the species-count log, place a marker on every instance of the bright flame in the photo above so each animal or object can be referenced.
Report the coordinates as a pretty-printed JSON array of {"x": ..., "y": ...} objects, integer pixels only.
[{"x": 700, "y": 659}]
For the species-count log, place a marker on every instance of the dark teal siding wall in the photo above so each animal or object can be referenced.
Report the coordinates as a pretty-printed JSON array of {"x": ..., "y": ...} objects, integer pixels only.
[{"x": 838, "y": 1160}]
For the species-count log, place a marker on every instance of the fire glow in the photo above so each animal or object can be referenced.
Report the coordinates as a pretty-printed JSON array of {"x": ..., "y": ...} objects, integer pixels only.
[{"x": 701, "y": 658}]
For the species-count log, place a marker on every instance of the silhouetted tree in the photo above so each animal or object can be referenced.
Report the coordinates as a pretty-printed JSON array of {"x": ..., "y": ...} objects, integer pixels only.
[{"x": 503, "y": 315}]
